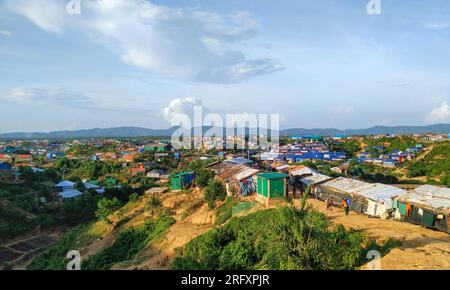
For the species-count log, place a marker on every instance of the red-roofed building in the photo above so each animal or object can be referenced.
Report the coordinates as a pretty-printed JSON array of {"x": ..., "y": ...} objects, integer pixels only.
[
  {"x": 23, "y": 157},
  {"x": 138, "y": 169},
  {"x": 5, "y": 157}
]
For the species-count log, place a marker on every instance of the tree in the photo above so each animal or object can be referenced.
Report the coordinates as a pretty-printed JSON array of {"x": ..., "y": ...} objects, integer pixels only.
[
  {"x": 80, "y": 209},
  {"x": 106, "y": 207},
  {"x": 203, "y": 176},
  {"x": 214, "y": 191}
]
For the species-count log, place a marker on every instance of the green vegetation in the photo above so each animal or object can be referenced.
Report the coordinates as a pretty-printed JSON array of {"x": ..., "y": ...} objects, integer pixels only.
[
  {"x": 106, "y": 207},
  {"x": 74, "y": 169},
  {"x": 242, "y": 207},
  {"x": 435, "y": 165},
  {"x": 349, "y": 147},
  {"x": 54, "y": 258},
  {"x": 283, "y": 238},
  {"x": 203, "y": 176},
  {"x": 230, "y": 208},
  {"x": 225, "y": 212},
  {"x": 19, "y": 202},
  {"x": 400, "y": 143},
  {"x": 13, "y": 223},
  {"x": 128, "y": 243},
  {"x": 214, "y": 191},
  {"x": 81, "y": 209}
]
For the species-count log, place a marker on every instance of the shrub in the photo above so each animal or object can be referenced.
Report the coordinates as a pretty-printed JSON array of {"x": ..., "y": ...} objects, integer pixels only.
[
  {"x": 134, "y": 197},
  {"x": 203, "y": 177},
  {"x": 214, "y": 191},
  {"x": 106, "y": 207},
  {"x": 54, "y": 258}
]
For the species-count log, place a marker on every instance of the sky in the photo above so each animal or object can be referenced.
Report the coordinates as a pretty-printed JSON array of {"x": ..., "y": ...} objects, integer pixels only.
[{"x": 318, "y": 64}]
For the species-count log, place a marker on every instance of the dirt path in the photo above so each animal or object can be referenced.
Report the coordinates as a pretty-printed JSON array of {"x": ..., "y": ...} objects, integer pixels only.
[
  {"x": 198, "y": 221},
  {"x": 179, "y": 235},
  {"x": 421, "y": 248},
  {"x": 20, "y": 252}
]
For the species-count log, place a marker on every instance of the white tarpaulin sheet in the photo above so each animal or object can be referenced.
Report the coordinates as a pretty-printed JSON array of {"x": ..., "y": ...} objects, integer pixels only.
[
  {"x": 376, "y": 192},
  {"x": 434, "y": 197}
]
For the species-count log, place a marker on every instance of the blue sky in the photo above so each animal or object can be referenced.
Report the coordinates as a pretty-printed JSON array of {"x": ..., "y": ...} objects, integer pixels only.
[{"x": 324, "y": 63}]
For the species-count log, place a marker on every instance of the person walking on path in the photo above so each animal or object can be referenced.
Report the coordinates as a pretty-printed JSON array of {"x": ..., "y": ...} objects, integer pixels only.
[
  {"x": 345, "y": 204},
  {"x": 329, "y": 203}
]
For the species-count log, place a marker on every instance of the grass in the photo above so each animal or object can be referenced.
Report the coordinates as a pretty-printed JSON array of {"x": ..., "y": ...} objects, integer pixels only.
[
  {"x": 225, "y": 212},
  {"x": 128, "y": 243},
  {"x": 54, "y": 258}
]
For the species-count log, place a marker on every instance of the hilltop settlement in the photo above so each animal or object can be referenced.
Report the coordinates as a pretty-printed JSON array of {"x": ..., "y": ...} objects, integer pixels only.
[{"x": 98, "y": 190}]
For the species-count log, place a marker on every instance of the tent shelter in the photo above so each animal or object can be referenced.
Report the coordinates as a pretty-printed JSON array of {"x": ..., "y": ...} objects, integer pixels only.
[
  {"x": 239, "y": 179},
  {"x": 374, "y": 199},
  {"x": 427, "y": 205},
  {"x": 302, "y": 176},
  {"x": 183, "y": 180},
  {"x": 271, "y": 185}
]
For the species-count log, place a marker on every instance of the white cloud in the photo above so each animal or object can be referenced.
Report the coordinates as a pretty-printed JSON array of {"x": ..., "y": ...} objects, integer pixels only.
[
  {"x": 188, "y": 44},
  {"x": 50, "y": 96},
  {"x": 440, "y": 114},
  {"x": 179, "y": 106},
  {"x": 437, "y": 25},
  {"x": 343, "y": 109},
  {"x": 6, "y": 33},
  {"x": 49, "y": 15}
]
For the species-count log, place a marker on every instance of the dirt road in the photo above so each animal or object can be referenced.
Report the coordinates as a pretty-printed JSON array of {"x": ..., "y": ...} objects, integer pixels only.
[{"x": 421, "y": 248}]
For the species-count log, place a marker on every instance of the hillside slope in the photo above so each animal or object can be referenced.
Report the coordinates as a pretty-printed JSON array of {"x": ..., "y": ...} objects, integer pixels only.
[
  {"x": 433, "y": 165},
  {"x": 146, "y": 234}
]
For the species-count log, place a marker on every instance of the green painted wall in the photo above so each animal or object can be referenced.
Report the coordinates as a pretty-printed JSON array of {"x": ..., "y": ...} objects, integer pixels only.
[{"x": 176, "y": 183}]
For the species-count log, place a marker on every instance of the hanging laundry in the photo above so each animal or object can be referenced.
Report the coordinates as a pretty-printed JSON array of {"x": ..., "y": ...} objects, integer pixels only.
[
  {"x": 408, "y": 210},
  {"x": 398, "y": 215},
  {"x": 383, "y": 212}
]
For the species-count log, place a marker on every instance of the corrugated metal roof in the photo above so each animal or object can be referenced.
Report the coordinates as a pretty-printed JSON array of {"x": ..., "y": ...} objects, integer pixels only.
[
  {"x": 65, "y": 183},
  {"x": 246, "y": 173},
  {"x": 282, "y": 167},
  {"x": 70, "y": 194},
  {"x": 437, "y": 198},
  {"x": 303, "y": 170},
  {"x": 238, "y": 172},
  {"x": 315, "y": 179}
]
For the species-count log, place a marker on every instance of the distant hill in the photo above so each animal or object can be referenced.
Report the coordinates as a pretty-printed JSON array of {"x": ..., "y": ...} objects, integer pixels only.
[
  {"x": 143, "y": 132},
  {"x": 435, "y": 129},
  {"x": 93, "y": 133}
]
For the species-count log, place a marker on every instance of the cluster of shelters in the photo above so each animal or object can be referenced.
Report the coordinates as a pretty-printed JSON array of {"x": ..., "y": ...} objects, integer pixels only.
[
  {"x": 388, "y": 159},
  {"x": 68, "y": 189},
  {"x": 301, "y": 151},
  {"x": 426, "y": 205},
  {"x": 374, "y": 199},
  {"x": 244, "y": 180}
]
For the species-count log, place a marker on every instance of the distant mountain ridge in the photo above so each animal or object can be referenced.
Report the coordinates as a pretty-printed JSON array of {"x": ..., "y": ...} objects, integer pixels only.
[
  {"x": 434, "y": 129},
  {"x": 144, "y": 132}
]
